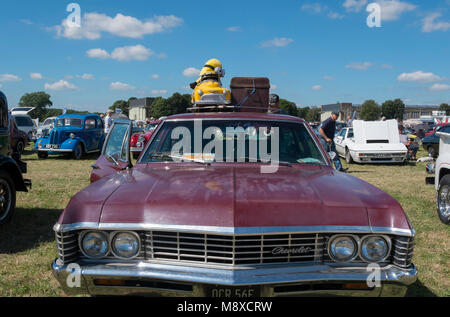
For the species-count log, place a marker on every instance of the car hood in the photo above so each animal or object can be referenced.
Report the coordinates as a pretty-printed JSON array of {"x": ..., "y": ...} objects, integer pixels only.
[{"x": 237, "y": 196}]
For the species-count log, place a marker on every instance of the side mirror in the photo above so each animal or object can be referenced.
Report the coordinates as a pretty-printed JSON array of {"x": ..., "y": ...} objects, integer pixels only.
[{"x": 332, "y": 155}]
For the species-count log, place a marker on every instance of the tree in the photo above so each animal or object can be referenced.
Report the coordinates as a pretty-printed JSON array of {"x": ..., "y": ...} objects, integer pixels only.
[
  {"x": 393, "y": 109},
  {"x": 178, "y": 103},
  {"x": 303, "y": 112},
  {"x": 289, "y": 107},
  {"x": 445, "y": 107},
  {"x": 313, "y": 115},
  {"x": 38, "y": 100},
  {"x": 370, "y": 111},
  {"x": 160, "y": 108}
]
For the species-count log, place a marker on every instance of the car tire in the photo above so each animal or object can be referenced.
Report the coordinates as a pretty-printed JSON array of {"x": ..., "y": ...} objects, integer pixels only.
[
  {"x": 348, "y": 157},
  {"x": 443, "y": 200},
  {"x": 7, "y": 197},
  {"x": 42, "y": 155},
  {"x": 20, "y": 147},
  {"x": 78, "y": 153}
]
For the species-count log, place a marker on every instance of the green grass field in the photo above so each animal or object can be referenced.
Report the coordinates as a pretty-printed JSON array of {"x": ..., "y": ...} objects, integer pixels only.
[{"x": 27, "y": 245}]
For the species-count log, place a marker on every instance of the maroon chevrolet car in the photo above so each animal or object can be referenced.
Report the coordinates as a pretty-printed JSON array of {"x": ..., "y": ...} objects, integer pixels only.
[{"x": 231, "y": 205}]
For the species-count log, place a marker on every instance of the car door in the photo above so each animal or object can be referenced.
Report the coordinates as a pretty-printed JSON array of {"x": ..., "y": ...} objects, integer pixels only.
[
  {"x": 115, "y": 155},
  {"x": 340, "y": 142}
]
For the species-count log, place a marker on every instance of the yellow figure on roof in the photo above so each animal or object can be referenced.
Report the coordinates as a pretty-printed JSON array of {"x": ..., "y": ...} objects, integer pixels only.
[{"x": 208, "y": 88}]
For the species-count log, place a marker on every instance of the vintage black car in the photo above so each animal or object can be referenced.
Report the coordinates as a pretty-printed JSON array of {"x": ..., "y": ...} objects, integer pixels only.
[{"x": 11, "y": 168}]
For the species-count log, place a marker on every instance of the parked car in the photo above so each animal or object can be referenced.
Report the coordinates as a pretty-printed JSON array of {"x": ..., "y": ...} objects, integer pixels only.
[
  {"x": 21, "y": 110},
  {"x": 25, "y": 124},
  {"x": 371, "y": 142},
  {"x": 11, "y": 168},
  {"x": 73, "y": 134},
  {"x": 139, "y": 140},
  {"x": 431, "y": 142},
  {"x": 44, "y": 128},
  {"x": 441, "y": 179},
  {"x": 18, "y": 139},
  {"x": 187, "y": 223}
]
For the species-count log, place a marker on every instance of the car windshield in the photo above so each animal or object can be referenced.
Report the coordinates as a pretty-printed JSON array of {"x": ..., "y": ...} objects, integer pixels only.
[
  {"x": 234, "y": 141},
  {"x": 69, "y": 122},
  {"x": 24, "y": 121},
  {"x": 48, "y": 121}
]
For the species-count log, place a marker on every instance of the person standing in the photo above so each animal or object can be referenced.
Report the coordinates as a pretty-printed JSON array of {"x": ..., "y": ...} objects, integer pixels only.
[
  {"x": 108, "y": 121},
  {"x": 327, "y": 131}
]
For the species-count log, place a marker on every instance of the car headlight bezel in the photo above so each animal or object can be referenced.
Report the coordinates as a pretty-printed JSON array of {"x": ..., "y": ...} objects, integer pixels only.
[
  {"x": 386, "y": 239},
  {"x": 353, "y": 239},
  {"x": 116, "y": 253},
  {"x": 82, "y": 240}
]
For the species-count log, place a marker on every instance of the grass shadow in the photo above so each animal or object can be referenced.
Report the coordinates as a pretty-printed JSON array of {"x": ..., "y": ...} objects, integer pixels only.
[
  {"x": 419, "y": 290},
  {"x": 28, "y": 228}
]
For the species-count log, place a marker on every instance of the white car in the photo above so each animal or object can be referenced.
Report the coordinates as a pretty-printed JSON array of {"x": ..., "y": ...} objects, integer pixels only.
[
  {"x": 442, "y": 178},
  {"x": 371, "y": 142},
  {"x": 25, "y": 124},
  {"x": 45, "y": 127},
  {"x": 21, "y": 110}
]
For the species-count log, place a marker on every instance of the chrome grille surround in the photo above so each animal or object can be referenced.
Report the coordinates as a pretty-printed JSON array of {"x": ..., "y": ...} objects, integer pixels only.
[
  {"x": 233, "y": 250},
  {"x": 403, "y": 250},
  {"x": 67, "y": 245}
]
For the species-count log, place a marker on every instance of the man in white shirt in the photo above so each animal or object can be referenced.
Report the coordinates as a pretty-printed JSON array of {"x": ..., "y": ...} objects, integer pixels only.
[{"x": 108, "y": 121}]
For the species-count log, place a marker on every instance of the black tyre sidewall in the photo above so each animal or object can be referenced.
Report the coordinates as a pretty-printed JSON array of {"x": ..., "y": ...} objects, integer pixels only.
[
  {"x": 348, "y": 157},
  {"x": 8, "y": 179},
  {"x": 79, "y": 147}
]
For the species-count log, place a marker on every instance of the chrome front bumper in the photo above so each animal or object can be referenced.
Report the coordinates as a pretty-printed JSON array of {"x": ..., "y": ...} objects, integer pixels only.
[{"x": 143, "y": 278}]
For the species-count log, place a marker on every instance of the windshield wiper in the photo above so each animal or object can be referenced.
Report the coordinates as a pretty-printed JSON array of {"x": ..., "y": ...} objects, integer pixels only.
[{"x": 282, "y": 163}]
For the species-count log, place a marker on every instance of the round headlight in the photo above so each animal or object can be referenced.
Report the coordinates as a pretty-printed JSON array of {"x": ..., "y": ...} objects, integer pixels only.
[
  {"x": 343, "y": 249},
  {"x": 125, "y": 245},
  {"x": 72, "y": 136},
  {"x": 374, "y": 249},
  {"x": 94, "y": 244}
]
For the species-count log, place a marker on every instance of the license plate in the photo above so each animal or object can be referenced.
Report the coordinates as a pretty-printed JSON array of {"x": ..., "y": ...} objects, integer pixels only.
[
  {"x": 52, "y": 146},
  {"x": 233, "y": 292}
]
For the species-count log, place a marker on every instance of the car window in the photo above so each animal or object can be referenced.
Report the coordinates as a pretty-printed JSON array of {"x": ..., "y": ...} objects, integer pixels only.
[
  {"x": 24, "y": 121},
  {"x": 3, "y": 115},
  {"x": 69, "y": 122},
  {"x": 89, "y": 124},
  {"x": 116, "y": 144},
  {"x": 350, "y": 134},
  {"x": 245, "y": 140},
  {"x": 99, "y": 123},
  {"x": 342, "y": 133},
  {"x": 445, "y": 129}
]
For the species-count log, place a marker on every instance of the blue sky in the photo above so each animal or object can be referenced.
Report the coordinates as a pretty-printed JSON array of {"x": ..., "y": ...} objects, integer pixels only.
[{"x": 314, "y": 52}]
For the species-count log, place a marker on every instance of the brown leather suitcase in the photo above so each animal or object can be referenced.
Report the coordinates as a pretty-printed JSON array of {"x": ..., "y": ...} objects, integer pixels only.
[{"x": 251, "y": 94}]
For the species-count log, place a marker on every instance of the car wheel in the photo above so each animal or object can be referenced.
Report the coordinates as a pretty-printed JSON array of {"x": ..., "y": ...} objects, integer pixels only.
[
  {"x": 348, "y": 157},
  {"x": 78, "y": 153},
  {"x": 20, "y": 147},
  {"x": 42, "y": 155},
  {"x": 443, "y": 200},
  {"x": 7, "y": 198},
  {"x": 30, "y": 136}
]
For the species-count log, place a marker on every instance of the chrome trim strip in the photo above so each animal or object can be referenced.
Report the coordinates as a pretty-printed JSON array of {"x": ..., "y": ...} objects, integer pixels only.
[{"x": 232, "y": 230}]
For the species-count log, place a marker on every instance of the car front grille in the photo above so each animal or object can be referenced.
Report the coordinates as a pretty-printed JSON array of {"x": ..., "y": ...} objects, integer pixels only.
[
  {"x": 233, "y": 249},
  {"x": 402, "y": 251},
  {"x": 67, "y": 245}
]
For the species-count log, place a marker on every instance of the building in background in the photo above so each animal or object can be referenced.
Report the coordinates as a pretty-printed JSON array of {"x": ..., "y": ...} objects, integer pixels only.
[
  {"x": 345, "y": 109},
  {"x": 140, "y": 109}
]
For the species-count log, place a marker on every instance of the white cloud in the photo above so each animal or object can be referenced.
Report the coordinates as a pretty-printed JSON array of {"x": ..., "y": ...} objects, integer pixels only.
[
  {"x": 86, "y": 76},
  {"x": 191, "y": 72},
  {"x": 159, "y": 92},
  {"x": 60, "y": 86},
  {"x": 328, "y": 78},
  {"x": 317, "y": 87},
  {"x": 233, "y": 29},
  {"x": 430, "y": 24},
  {"x": 9, "y": 77},
  {"x": 273, "y": 87},
  {"x": 440, "y": 87},
  {"x": 123, "y": 54},
  {"x": 94, "y": 24},
  {"x": 128, "y": 53},
  {"x": 392, "y": 9},
  {"x": 354, "y": 5},
  {"x": 419, "y": 77},
  {"x": 314, "y": 7},
  {"x": 335, "y": 15},
  {"x": 155, "y": 76},
  {"x": 36, "y": 76},
  {"x": 277, "y": 42},
  {"x": 98, "y": 53},
  {"x": 360, "y": 66},
  {"x": 121, "y": 86}
]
